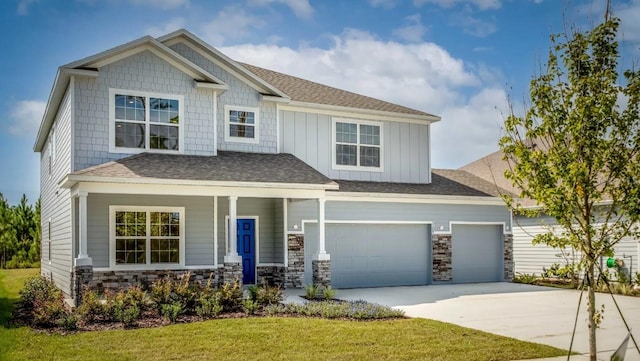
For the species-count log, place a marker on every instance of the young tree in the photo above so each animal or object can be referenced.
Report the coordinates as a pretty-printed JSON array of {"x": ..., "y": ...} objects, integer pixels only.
[{"x": 576, "y": 149}]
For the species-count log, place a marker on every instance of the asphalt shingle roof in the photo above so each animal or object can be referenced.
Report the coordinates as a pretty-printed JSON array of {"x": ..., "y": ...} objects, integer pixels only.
[
  {"x": 303, "y": 90},
  {"x": 443, "y": 182},
  {"x": 226, "y": 166}
]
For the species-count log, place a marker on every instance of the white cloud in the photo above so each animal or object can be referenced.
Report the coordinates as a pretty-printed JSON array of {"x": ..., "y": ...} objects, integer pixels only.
[
  {"x": 162, "y": 4},
  {"x": 301, "y": 8},
  {"x": 473, "y": 25},
  {"x": 172, "y": 25},
  {"x": 231, "y": 23},
  {"x": 413, "y": 31},
  {"x": 422, "y": 76},
  {"x": 481, "y": 4},
  {"x": 629, "y": 25},
  {"x": 23, "y": 6},
  {"x": 387, "y": 4},
  {"x": 25, "y": 117}
]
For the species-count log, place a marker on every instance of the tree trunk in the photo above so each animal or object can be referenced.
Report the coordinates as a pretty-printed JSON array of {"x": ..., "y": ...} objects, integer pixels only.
[{"x": 592, "y": 310}]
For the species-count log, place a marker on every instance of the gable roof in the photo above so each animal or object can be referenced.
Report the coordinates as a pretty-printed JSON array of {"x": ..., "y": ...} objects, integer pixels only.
[
  {"x": 306, "y": 91},
  {"x": 88, "y": 67},
  {"x": 446, "y": 182},
  {"x": 226, "y": 167}
]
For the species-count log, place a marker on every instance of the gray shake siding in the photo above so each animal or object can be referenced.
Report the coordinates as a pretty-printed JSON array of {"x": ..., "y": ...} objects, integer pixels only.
[
  {"x": 199, "y": 242},
  {"x": 239, "y": 94},
  {"x": 439, "y": 214},
  {"x": 405, "y": 148},
  {"x": 56, "y": 203},
  {"x": 141, "y": 72}
]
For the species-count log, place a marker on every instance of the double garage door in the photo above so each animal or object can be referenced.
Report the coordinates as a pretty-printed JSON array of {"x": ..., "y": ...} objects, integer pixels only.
[{"x": 378, "y": 255}]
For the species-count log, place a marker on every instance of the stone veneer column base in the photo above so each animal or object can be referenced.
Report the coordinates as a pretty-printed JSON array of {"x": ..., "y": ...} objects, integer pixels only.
[
  {"x": 103, "y": 280},
  {"x": 441, "y": 257},
  {"x": 508, "y": 257},
  {"x": 231, "y": 272},
  {"x": 321, "y": 272},
  {"x": 271, "y": 276},
  {"x": 294, "y": 273},
  {"x": 82, "y": 277}
]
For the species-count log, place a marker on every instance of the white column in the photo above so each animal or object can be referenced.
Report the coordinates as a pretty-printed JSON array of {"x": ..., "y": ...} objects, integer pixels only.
[
  {"x": 232, "y": 252},
  {"x": 83, "y": 258},
  {"x": 215, "y": 230},
  {"x": 322, "y": 254}
]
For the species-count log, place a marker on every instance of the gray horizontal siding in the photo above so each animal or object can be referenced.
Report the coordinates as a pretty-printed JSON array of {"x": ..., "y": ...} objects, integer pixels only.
[
  {"x": 405, "y": 148},
  {"x": 198, "y": 226},
  {"x": 439, "y": 214}
]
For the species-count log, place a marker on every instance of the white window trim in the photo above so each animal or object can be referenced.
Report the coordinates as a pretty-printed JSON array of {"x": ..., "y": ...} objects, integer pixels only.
[
  {"x": 358, "y": 167},
  {"x": 227, "y": 125},
  {"x": 147, "y": 266},
  {"x": 147, "y": 95}
]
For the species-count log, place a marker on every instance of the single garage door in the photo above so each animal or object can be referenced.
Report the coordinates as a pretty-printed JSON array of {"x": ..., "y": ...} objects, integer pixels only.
[
  {"x": 476, "y": 253},
  {"x": 373, "y": 255}
]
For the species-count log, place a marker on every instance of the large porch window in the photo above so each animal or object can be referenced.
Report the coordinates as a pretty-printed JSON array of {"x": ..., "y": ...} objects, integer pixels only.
[{"x": 147, "y": 235}]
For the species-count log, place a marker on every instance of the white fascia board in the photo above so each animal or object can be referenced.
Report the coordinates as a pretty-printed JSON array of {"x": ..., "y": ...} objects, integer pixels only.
[
  {"x": 239, "y": 190},
  {"x": 349, "y": 112},
  {"x": 80, "y": 72},
  {"x": 71, "y": 180},
  {"x": 412, "y": 198},
  {"x": 270, "y": 98},
  {"x": 221, "y": 88},
  {"x": 217, "y": 57}
]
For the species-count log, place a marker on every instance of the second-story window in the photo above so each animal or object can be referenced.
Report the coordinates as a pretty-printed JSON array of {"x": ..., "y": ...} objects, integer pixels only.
[
  {"x": 357, "y": 144},
  {"x": 241, "y": 124},
  {"x": 145, "y": 121}
]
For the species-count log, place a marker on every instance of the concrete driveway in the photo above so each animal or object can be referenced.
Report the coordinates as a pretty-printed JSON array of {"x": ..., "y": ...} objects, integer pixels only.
[{"x": 531, "y": 313}]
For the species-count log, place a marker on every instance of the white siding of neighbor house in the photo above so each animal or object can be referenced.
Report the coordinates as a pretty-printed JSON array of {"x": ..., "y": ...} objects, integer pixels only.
[
  {"x": 56, "y": 202},
  {"x": 440, "y": 215},
  {"x": 143, "y": 72},
  {"x": 238, "y": 94},
  {"x": 405, "y": 153},
  {"x": 531, "y": 259}
]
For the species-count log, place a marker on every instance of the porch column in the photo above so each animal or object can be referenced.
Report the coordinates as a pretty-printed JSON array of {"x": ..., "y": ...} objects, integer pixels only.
[
  {"x": 83, "y": 257},
  {"x": 321, "y": 263},
  {"x": 232, "y": 240}
]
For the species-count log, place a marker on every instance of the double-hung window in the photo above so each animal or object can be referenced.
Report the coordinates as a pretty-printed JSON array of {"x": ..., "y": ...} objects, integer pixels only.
[
  {"x": 357, "y": 144},
  {"x": 241, "y": 124},
  {"x": 145, "y": 122},
  {"x": 147, "y": 236}
]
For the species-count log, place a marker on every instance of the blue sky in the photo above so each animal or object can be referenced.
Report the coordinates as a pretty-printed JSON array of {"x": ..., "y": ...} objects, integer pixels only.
[{"x": 455, "y": 58}]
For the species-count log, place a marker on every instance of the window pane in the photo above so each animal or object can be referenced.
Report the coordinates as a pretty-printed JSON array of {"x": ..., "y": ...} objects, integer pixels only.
[
  {"x": 346, "y": 133},
  {"x": 370, "y": 134},
  {"x": 131, "y": 251},
  {"x": 165, "y": 251},
  {"x": 242, "y": 131},
  {"x": 163, "y": 111},
  {"x": 369, "y": 156},
  {"x": 163, "y": 137},
  {"x": 129, "y": 107},
  {"x": 242, "y": 117},
  {"x": 129, "y": 135},
  {"x": 346, "y": 154}
]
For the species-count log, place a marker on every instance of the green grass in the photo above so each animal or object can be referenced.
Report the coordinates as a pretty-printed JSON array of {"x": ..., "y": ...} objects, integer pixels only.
[{"x": 262, "y": 339}]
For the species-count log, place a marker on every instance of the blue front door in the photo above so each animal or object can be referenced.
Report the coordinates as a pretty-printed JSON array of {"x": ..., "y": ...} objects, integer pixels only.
[{"x": 247, "y": 249}]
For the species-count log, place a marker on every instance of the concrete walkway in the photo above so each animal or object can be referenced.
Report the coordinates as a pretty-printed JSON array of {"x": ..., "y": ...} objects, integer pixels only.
[{"x": 531, "y": 313}]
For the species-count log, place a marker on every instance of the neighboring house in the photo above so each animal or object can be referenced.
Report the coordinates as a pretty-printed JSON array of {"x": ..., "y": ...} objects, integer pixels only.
[
  {"x": 528, "y": 258},
  {"x": 163, "y": 155}
]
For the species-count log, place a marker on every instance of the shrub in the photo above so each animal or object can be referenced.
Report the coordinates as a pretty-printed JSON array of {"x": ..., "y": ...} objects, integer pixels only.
[
  {"x": 124, "y": 306},
  {"x": 47, "y": 313},
  {"x": 171, "y": 311},
  {"x": 357, "y": 310},
  {"x": 329, "y": 293},
  {"x": 161, "y": 293},
  {"x": 91, "y": 308},
  {"x": 43, "y": 301},
  {"x": 128, "y": 315},
  {"x": 184, "y": 293},
  {"x": 269, "y": 295},
  {"x": 37, "y": 288},
  {"x": 525, "y": 278},
  {"x": 208, "y": 307},
  {"x": 229, "y": 296},
  {"x": 311, "y": 291},
  {"x": 250, "y": 306},
  {"x": 253, "y": 292},
  {"x": 69, "y": 322}
]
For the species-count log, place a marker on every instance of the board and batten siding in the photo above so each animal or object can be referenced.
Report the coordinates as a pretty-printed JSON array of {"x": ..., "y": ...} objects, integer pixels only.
[
  {"x": 143, "y": 72},
  {"x": 198, "y": 214},
  {"x": 238, "y": 94},
  {"x": 405, "y": 148},
  {"x": 56, "y": 201},
  {"x": 270, "y": 226},
  {"x": 440, "y": 215}
]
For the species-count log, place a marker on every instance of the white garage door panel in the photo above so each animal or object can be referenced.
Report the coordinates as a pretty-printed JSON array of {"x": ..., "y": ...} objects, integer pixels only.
[
  {"x": 476, "y": 253},
  {"x": 373, "y": 255}
]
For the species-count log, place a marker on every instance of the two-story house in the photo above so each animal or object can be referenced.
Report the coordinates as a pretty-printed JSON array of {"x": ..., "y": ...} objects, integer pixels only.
[{"x": 163, "y": 155}]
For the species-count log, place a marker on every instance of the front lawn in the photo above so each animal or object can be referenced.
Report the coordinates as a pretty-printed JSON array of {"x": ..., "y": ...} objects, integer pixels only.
[{"x": 261, "y": 339}]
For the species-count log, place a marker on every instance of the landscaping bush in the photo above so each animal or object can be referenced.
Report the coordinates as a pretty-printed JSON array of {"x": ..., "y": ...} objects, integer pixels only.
[
  {"x": 172, "y": 311},
  {"x": 357, "y": 310},
  {"x": 311, "y": 291},
  {"x": 269, "y": 295},
  {"x": 48, "y": 312},
  {"x": 253, "y": 292},
  {"x": 229, "y": 296},
  {"x": 250, "y": 307},
  {"x": 42, "y": 301},
  {"x": 37, "y": 288},
  {"x": 91, "y": 309},
  {"x": 329, "y": 293},
  {"x": 124, "y": 306},
  {"x": 69, "y": 322},
  {"x": 161, "y": 293},
  {"x": 208, "y": 306},
  {"x": 525, "y": 278}
]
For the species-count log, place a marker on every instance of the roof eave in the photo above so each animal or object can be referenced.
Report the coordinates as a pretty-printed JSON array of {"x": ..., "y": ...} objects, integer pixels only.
[
  {"x": 412, "y": 197},
  {"x": 428, "y": 118}
]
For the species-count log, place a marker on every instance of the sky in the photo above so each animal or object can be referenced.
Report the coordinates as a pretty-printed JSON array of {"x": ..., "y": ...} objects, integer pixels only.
[{"x": 459, "y": 59}]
